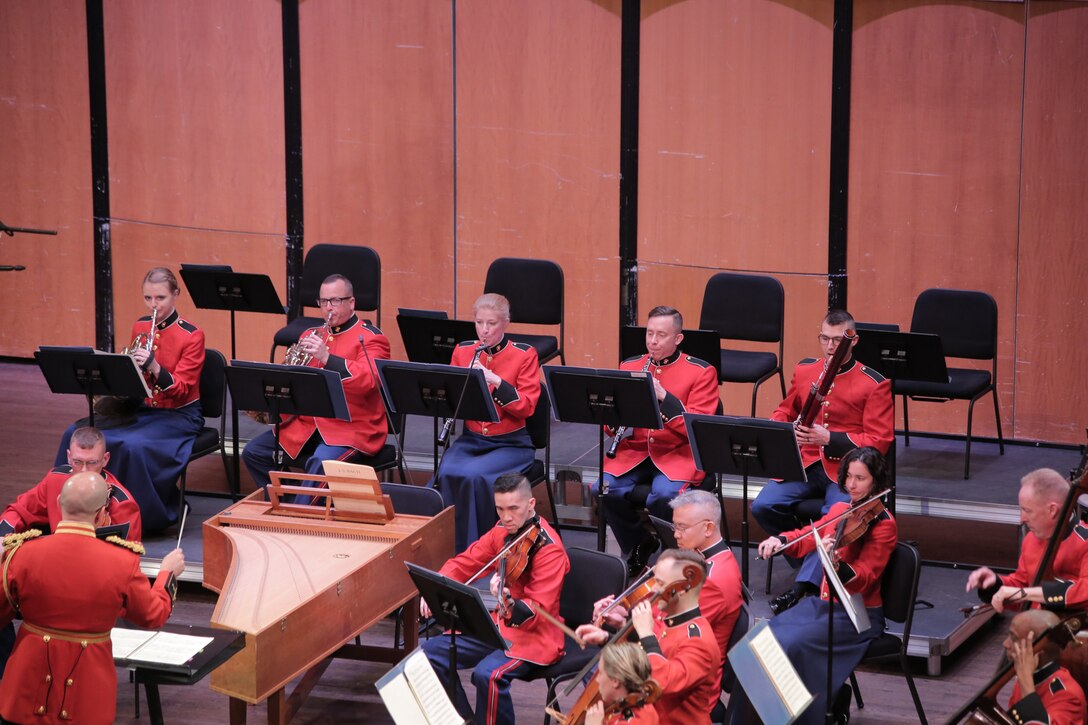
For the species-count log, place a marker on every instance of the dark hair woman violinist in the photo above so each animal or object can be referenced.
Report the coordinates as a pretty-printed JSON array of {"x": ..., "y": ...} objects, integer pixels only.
[{"x": 863, "y": 552}]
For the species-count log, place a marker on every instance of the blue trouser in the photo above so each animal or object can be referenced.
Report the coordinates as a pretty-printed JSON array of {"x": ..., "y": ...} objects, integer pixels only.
[
  {"x": 492, "y": 673},
  {"x": 259, "y": 457},
  {"x": 621, "y": 512},
  {"x": 773, "y": 509}
]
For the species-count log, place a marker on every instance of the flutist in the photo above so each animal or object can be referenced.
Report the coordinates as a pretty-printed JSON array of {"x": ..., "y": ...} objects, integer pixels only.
[
  {"x": 661, "y": 458},
  {"x": 336, "y": 346},
  {"x": 487, "y": 450},
  {"x": 856, "y": 412}
]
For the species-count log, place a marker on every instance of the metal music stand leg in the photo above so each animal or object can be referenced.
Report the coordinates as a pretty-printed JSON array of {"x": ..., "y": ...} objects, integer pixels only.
[{"x": 600, "y": 491}]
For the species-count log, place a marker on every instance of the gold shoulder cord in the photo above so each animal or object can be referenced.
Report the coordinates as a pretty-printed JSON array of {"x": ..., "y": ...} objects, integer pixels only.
[{"x": 133, "y": 546}]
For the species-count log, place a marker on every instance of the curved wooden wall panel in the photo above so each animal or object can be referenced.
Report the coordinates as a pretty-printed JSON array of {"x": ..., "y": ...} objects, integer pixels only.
[
  {"x": 377, "y": 125},
  {"x": 734, "y": 134},
  {"x": 46, "y": 179},
  {"x": 1052, "y": 309},
  {"x": 934, "y": 160},
  {"x": 538, "y": 89},
  {"x": 806, "y": 303},
  {"x": 195, "y": 96}
]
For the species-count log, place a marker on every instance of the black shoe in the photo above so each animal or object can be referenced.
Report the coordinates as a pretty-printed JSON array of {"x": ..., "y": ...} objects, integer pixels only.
[
  {"x": 636, "y": 560},
  {"x": 786, "y": 600},
  {"x": 840, "y": 711}
]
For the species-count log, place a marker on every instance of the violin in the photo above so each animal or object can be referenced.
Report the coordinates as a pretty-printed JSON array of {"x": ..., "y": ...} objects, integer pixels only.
[
  {"x": 645, "y": 695},
  {"x": 632, "y": 595},
  {"x": 692, "y": 577},
  {"x": 855, "y": 521},
  {"x": 514, "y": 560}
]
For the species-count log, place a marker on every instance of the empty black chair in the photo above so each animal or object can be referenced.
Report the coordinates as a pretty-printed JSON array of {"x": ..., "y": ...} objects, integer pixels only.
[
  {"x": 361, "y": 265},
  {"x": 414, "y": 500},
  {"x": 539, "y": 426},
  {"x": 534, "y": 288},
  {"x": 898, "y": 590},
  {"x": 966, "y": 322},
  {"x": 593, "y": 575},
  {"x": 746, "y": 307},
  {"x": 213, "y": 398}
]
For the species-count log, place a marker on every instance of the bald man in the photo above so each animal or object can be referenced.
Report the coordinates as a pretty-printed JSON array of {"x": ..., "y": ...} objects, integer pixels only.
[
  {"x": 1042, "y": 496},
  {"x": 70, "y": 588},
  {"x": 1053, "y": 696}
]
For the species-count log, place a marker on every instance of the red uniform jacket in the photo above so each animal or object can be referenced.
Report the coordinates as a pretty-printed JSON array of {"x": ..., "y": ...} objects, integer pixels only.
[
  {"x": 692, "y": 387},
  {"x": 367, "y": 429},
  {"x": 857, "y": 411},
  {"x": 1057, "y": 699},
  {"x": 862, "y": 562},
  {"x": 721, "y": 597},
  {"x": 531, "y": 638},
  {"x": 686, "y": 663},
  {"x": 1066, "y": 587},
  {"x": 70, "y": 589},
  {"x": 39, "y": 507},
  {"x": 179, "y": 350},
  {"x": 519, "y": 368},
  {"x": 644, "y": 715}
]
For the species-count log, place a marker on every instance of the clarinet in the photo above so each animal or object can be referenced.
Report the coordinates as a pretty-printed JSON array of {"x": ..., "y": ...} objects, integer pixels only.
[
  {"x": 822, "y": 386},
  {"x": 611, "y": 452},
  {"x": 448, "y": 425}
]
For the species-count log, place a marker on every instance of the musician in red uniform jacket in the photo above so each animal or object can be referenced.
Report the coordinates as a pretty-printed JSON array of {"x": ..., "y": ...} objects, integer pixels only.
[
  {"x": 487, "y": 450},
  {"x": 623, "y": 674},
  {"x": 150, "y": 452},
  {"x": 1042, "y": 496},
  {"x": 856, "y": 412},
  {"x": 70, "y": 588},
  {"x": 349, "y": 347},
  {"x": 684, "y": 656},
  {"x": 1052, "y": 696},
  {"x": 802, "y": 630},
  {"x": 659, "y": 458},
  {"x": 534, "y": 642}
]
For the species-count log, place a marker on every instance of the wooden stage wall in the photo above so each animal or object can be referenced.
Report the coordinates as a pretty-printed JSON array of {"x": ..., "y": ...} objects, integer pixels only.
[{"x": 444, "y": 142}]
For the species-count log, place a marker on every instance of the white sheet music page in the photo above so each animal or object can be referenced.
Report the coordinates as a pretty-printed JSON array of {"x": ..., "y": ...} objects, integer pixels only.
[
  {"x": 430, "y": 692},
  {"x": 127, "y": 641},
  {"x": 780, "y": 671},
  {"x": 162, "y": 648}
]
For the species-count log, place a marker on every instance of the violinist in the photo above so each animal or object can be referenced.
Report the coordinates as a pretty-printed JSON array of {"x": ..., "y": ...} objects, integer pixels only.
[
  {"x": 623, "y": 679},
  {"x": 802, "y": 630},
  {"x": 857, "y": 411},
  {"x": 1053, "y": 696},
  {"x": 1042, "y": 494},
  {"x": 535, "y": 569},
  {"x": 684, "y": 656}
]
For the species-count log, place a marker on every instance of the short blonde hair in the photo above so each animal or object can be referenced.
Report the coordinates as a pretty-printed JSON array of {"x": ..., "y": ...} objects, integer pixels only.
[
  {"x": 626, "y": 662},
  {"x": 492, "y": 301}
]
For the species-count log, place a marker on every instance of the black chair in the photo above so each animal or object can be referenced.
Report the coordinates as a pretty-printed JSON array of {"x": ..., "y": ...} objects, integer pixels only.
[
  {"x": 389, "y": 456},
  {"x": 746, "y": 307},
  {"x": 539, "y": 426},
  {"x": 213, "y": 403},
  {"x": 729, "y": 676},
  {"x": 898, "y": 590},
  {"x": 534, "y": 288},
  {"x": 361, "y": 265},
  {"x": 966, "y": 322},
  {"x": 593, "y": 575}
]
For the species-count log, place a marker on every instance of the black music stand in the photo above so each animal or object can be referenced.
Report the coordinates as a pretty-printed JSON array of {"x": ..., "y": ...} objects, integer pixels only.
[
  {"x": 459, "y": 609},
  {"x": 218, "y": 287},
  {"x": 703, "y": 344},
  {"x": 437, "y": 391},
  {"x": 911, "y": 356},
  {"x": 612, "y": 398},
  {"x": 744, "y": 447},
  {"x": 283, "y": 390},
  {"x": 665, "y": 531},
  {"x": 431, "y": 339},
  {"x": 88, "y": 372},
  {"x": 225, "y": 644}
]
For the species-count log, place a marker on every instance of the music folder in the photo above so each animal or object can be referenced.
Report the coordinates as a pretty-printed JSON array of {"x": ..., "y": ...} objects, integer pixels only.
[
  {"x": 414, "y": 695},
  {"x": 768, "y": 677}
]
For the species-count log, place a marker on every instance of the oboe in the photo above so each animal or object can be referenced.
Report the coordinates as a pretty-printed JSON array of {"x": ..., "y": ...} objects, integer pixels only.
[
  {"x": 444, "y": 434},
  {"x": 611, "y": 452}
]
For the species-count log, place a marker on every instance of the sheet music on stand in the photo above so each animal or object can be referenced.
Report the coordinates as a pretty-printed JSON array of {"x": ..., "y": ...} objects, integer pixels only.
[
  {"x": 769, "y": 679},
  {"x": 413, "y": 694},
  {"x": 133, "y": 647},
  {"x": 854, "y": 604}
]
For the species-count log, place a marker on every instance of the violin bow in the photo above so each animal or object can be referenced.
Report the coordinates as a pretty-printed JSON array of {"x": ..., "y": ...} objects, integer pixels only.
[
  {"x": 835, "y": 520},
  {"x": 546, "y": 616}
]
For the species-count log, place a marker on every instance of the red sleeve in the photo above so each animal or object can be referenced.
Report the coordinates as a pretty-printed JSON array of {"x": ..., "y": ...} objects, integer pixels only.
[
  {"x": 358, "y": 374},
  {"x": 545, "y": 582},
  {"x": 29, "y": 508},
  {"x": 526, "y": 389},
  {"x": 185, "y": 376},
  {"x": 868, "y": 561},
  {"x": 127, "y": 512},
  {"x": 702, "y": 398},
  {"x": 147, "y": 605},
  {"x": 686, "y": 665},
  {"x": 877, "y": 420},
  {"x": 807, "y": 545},
  {"x": 479, "y": 552}
]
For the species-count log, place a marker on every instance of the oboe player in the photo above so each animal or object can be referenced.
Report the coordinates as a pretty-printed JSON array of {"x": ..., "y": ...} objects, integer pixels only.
[
  {"x": 659, "y": 458},
  {"x": 856, "y": 412}
]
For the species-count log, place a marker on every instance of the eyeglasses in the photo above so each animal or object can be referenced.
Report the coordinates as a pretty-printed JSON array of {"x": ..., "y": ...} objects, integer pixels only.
[
  {"x": 681, "y": 528},
  {"x": 825, "y": 340},
  {"x": 79, "y": 465},
  {"x": 332, "y": 301}
]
